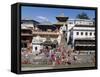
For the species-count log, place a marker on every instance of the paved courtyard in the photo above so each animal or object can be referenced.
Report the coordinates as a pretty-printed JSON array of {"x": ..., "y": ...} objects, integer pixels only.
[{"x": 43, "y": 67}]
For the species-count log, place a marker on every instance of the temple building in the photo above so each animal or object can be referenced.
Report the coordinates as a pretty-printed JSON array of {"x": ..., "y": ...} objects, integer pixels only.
[
  {"x": 26, "y": 34},
  {"x": 56, "y": 33},
  {"x": 40, "y": 34}
]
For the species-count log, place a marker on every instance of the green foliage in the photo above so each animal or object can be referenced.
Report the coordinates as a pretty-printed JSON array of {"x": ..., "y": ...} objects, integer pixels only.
[{"x": 82, "y": 16}]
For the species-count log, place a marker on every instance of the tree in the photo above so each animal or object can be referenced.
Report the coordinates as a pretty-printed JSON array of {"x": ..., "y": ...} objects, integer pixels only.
[{"x": 82, "y": 15}]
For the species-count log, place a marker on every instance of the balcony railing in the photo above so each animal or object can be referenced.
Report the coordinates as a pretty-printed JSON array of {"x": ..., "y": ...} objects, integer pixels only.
[
  {"x": 84, "y": 44},
  {"x": 25, "y": 40},
  {"x": 26, "y": 34},
  {"x": 81, "y": 22},
  {"x": 45, "y": 33}
]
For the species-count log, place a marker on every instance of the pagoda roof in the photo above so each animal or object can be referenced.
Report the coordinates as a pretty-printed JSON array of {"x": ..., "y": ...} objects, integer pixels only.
[{"x": 62, "y": 18}]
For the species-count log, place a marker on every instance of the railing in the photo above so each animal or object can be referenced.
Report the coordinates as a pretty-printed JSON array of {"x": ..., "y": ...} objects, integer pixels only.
[
  {"x": 25, "y": 40},
  {"x": 84, "y": 44},
  {"x": 45, "y": 33},
  {"x": 26, "y": 34},
  {"x": 81, "y": 22}
]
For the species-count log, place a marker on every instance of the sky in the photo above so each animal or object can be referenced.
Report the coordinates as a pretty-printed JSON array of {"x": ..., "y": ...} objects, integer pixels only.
[{"x": 48, "y": 14}]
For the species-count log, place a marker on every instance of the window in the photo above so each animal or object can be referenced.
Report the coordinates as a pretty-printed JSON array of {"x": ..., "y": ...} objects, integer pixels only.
[
  {"x": 81, "y": 33},
  {"x": 77, "y": 33},
  {"x": 86, "y": 33},
  {"x": 35, "y": 48},
  {"x": 94, "y": 33},
  {"x": 90, "y": 33},
  {"x": 70, "y": 22},
  {"x": 23, "y": 45}
]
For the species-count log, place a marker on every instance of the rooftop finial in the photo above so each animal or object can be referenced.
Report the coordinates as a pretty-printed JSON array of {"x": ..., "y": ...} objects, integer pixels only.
[{"x": 62, "y": 14}]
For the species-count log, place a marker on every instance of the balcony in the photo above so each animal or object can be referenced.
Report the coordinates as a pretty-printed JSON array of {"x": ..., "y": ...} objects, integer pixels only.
[
  {"x": 81, "y": 22},
  {"x": 45, "y": 33},
  {"x": 25, "y": 41},
  {"x": 84, "y": 44},
  {"x": 26, "y": 34}
]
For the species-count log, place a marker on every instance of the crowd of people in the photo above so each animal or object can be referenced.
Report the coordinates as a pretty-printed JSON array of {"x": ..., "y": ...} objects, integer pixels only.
[{"x": 50, "y": 56}]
